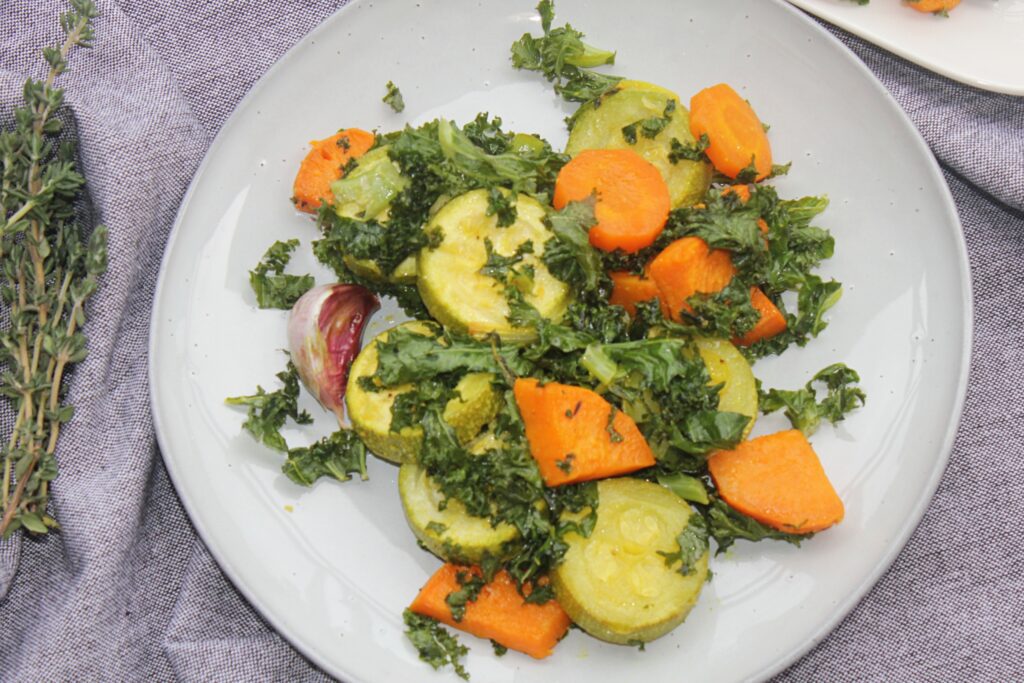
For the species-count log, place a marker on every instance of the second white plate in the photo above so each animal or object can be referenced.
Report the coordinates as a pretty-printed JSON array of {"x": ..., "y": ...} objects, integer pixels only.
[{"x": 981, "y": 43}]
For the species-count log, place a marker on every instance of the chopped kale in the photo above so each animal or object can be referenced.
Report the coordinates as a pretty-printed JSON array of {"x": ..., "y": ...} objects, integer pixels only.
[
  {"x": 436, "y": 646},
  {"x": 273, "y": 287},
  {"x": 393, "y": 98},
  {"x": 803, "y": 409}
]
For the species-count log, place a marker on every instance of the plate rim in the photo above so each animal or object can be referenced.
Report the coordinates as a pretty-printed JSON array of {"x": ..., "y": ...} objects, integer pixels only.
[{"x": 781, "y": 662}]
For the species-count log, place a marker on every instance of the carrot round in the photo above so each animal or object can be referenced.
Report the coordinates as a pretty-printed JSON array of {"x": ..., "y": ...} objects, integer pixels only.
[
  {"x": 629, "y": 289},
  {"x": 933, "y": 6},
  {"x": 574, "y": 436},
  {"x": 323, "y": 165},
  {"x": 632, "y": 198},
  {"x": 778, "y": 480},
  {"x": 498, "y": 612},
  {"x": 735, "y": 134},
  {"x": 771, "y": 322},
  {"x": 687, "y": 267}
]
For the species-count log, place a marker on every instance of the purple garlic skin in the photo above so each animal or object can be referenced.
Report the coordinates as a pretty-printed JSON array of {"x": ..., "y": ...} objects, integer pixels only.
[{"x": 325, "y": 329}]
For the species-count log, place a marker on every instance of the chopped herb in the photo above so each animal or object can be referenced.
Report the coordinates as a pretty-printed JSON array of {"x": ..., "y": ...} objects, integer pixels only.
[
  {"x": 652, "y": 126},
  {"x": 470, "y": 586},
  {"x": 610, "y": 427},
  {"x": 268, "y": 411},
  {"x": 272, "y": 286},
  {"x": 693, "y": 543},
  {"x": 339, "y": 455},
  {"x": 436, "y": 646},
  {"x": 694, "y": 151},
  {"x": 393, "y": 98},
  {"x": 726, "y": 525},
  {"x": 564, "y": 59},
  {"x": 499, "y": 649},
  {"x": 566, "y": 464},
  {"x": 802, "y": 407}
]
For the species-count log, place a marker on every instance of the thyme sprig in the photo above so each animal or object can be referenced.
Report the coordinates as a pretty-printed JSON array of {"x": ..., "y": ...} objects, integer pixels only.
[{"x": 47, "y": 272}]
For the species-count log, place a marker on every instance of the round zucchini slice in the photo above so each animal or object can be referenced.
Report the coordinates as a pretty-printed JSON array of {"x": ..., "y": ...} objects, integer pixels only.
[
  {"x": 464, "y": 299},
  {"x": 614, "y": 584},
  {"x": 599, "y": 125},
  {"x": 728, "y": 367},
  {"x": 452, "y": 534},
  {"x": 370, "y": 411}
]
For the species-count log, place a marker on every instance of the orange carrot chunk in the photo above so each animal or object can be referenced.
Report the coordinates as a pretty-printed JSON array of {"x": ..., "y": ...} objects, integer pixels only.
[
  {"x": 734, "y": 132},
  {"x": 771, "y": 322},
  {"x": 687, "y": 267},
  {"x": 498, "y": 613},
  {"x": 632, "y": 198},
  {"x": 323, "y": 165},
  {"x": 778, "y": 480},
  {"x": 933, "y": 6},
  {"x": 629, "y": 289},
  {"x": 574, "y": 436}
]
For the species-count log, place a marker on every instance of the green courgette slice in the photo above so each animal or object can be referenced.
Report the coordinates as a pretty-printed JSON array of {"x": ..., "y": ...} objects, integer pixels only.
[
  {"x": 370, "y": 411},
  {"x": 451, "y": 533},
  {"x": 449, "y": 275},
  {"x": 615, "y": 584},
  {"x": 728, "y": 367}
]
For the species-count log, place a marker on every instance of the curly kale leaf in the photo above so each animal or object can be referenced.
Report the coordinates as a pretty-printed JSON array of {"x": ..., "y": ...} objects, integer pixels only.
[
  {"x": 339, "y": 455},
  {"x": 726, "y": 525},
  {"x": 564, "y": 59},
  {"x": 803, "y": 409},
  {"x": 693, "y": 543},
  {"x": 569, "y": 255},
  {"x": 273, "y": 287},
  {"x": 268, "y": 411},
  {"x": 436, "y": 646},
  {"x": 393, "y": 98},
  {"x": 651, "y": 126}
]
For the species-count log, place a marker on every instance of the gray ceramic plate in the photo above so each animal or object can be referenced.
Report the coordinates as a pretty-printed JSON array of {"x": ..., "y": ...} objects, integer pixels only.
[{"x": 333, "y": 567}]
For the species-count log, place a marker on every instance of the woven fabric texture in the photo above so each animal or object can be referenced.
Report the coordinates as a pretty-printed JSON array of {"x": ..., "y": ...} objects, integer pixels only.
[{"x": 127, "y": 592}]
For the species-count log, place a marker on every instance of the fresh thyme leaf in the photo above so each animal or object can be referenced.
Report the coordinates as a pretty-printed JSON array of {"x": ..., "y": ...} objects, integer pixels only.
[
  {"x": 393, "y": 98},
  {"x": 435, "y": 645},
  {"x": 272, "y": 286},
  {"x": 803, "y": 409},
  {"x": 693, "y": 543},
  {"x": 48, "y": 270},
  {"x": 339, "y": 455},
  {"x": 268, "y": 411}
]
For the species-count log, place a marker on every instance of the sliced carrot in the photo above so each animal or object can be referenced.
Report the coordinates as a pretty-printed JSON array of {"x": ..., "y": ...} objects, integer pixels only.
[
  {"x": 498, "y": 612},
  {"x": 778, "y": 480},
  {"x": 735, "y": 134},
  {"x": 574, "y": 435},
  {"x": 632, "y": 198},
  {"x": 629, "y": 289},
  {"x": 933, "y": 6},
  {"x": 771, "y": 322},
  {"x": 687, "y": 267},
  {"x": 325, "y": 163}
]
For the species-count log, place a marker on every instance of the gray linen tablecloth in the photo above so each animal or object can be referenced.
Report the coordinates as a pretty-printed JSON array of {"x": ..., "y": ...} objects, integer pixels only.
[{"x": 128, "y": 592}]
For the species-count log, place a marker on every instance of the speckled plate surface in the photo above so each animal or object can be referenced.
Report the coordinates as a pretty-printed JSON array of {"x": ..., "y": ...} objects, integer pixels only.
[{"x": 332, "y": 567}]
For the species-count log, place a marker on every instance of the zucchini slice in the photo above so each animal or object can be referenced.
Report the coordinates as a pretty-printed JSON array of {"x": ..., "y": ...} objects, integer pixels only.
[
  {"x": 370, "y": 411},
  {"x": 599, "y": 125},
  {"x": 365, "y": 193},
  {"x": 452, "y": 534},
  {"x": 728, "y": 367},
  {"x": 614, "y": 584},
  {"x": 449, "y": 278}
]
